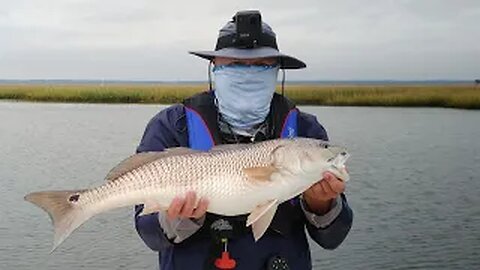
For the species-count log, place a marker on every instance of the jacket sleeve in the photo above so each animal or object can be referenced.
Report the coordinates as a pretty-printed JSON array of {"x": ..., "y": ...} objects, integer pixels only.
[
  {"x": 166, "y": 129},
  {"x": 332, "y": 234}
]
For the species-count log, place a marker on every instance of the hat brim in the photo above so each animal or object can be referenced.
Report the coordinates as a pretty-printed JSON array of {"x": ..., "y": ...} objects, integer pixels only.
[{"x": 286, "y": 61}]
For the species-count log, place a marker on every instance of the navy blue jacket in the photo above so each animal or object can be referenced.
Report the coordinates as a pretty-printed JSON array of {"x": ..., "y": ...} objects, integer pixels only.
[{"x": 168, "y": 129}]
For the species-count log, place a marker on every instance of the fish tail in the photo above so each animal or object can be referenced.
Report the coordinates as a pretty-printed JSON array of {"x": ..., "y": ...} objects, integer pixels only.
[{"x": 64, "y": 213}]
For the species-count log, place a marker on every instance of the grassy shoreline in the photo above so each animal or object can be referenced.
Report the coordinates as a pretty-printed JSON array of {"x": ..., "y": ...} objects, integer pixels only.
[{"x": 463, "y": 96}]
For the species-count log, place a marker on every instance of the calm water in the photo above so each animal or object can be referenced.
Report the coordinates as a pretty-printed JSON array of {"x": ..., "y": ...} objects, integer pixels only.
[{"x": 415, "y": 186}]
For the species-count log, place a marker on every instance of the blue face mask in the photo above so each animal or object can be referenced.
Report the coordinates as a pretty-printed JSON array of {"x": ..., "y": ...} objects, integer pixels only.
[{"x": 244, "y": 93}]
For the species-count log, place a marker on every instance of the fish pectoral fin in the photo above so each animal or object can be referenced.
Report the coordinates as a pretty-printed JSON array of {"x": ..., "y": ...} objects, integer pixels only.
[
  {"x": 261, "y": 218},
  {"x": 150, "y": 207},
  {"x": 260, "y": 173}
]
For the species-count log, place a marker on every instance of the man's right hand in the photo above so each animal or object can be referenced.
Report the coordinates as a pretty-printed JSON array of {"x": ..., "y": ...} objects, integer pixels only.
[{"x": 184, "y": 207}]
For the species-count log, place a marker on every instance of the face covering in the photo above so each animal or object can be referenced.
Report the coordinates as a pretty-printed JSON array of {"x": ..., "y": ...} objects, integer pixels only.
[{"x": 244, "y": 94}]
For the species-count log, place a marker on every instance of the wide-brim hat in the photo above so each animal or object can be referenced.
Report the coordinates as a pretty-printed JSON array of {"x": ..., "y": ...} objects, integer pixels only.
[{"x": 267, "y": 47}]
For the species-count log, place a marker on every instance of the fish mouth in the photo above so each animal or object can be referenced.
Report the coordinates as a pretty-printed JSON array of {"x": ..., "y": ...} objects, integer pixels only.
[{"x": 338, "y": 167}]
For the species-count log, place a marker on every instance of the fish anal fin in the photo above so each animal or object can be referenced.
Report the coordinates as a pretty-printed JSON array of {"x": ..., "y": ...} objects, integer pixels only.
[
  {"x": 260, "y": 173},
  {"x": 261, "y": 218},
  {"x": 260, "y": 210},
  {"x": 140, "y": 159}
]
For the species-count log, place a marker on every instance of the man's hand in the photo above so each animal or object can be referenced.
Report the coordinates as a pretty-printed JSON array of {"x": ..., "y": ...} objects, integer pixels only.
[
  {"x": 319, "y": 197},
  {"x": 186, "y": 208}
]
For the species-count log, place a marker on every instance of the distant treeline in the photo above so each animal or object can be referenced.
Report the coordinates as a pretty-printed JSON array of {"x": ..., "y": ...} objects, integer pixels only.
[{"x": 464, "y": 96}]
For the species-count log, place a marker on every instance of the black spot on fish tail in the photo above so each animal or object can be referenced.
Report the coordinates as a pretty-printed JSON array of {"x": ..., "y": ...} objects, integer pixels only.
[{"x": 74, "y": 198}]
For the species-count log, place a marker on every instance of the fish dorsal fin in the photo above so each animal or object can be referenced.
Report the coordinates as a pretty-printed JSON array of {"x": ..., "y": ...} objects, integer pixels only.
[
  {"x": 226, "y": 147},
  {"x": 141, "y": 159},
  {"x": 260, "y": 173},
  {"x": 132, "y": 163},
  {"x": 177, "y": 151}
]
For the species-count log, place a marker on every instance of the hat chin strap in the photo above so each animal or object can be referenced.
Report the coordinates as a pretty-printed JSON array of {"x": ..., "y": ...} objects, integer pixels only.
[
  {"x": 283, "y": 76},
  {"x": 210, "y": 75}
]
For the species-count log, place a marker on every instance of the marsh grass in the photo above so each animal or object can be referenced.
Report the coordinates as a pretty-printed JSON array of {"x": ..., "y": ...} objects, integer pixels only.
[{"x": 451, "y": 96}]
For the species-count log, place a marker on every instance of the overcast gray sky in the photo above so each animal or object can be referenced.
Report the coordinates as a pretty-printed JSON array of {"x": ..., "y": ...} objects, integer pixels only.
[{"x": 149, "y": 39}]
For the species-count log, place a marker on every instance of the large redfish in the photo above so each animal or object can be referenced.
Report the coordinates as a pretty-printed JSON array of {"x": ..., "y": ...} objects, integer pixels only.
[{"x": 236, "y": 179}]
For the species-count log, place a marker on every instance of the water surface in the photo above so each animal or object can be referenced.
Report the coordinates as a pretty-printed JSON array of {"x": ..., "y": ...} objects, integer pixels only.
[{"x": 415, "y": 186}]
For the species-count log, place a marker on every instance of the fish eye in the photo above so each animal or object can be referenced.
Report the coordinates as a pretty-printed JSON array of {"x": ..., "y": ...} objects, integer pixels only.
[{"x": 324, "y": 145}]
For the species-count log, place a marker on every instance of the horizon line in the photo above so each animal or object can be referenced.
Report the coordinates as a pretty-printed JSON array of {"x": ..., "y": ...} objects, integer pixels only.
[{"x": 206, "y": 81}]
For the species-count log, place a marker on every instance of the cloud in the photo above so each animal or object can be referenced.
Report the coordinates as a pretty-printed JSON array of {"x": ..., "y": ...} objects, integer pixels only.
[{"x": 148, "y": 39}]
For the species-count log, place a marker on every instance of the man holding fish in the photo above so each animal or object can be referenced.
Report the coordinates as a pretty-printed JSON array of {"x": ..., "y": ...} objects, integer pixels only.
[
  {"x": 242, "y": 108},
  {"x": 230, "y": 178}
]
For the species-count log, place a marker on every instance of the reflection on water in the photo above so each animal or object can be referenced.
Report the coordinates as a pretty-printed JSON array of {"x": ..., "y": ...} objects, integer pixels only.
[{"x": 415, "y": 185}]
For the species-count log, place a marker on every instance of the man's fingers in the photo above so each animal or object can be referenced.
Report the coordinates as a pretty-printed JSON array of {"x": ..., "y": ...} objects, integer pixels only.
[
  {"x": 201, "y": 208},
  {"x": 175, "y": 207},
  {"x": 315, "y": 190},
  {"x": 187, "y": 209},
  {"x": 328, "y": 175},
  {"x": 337, "y": 186},
  {"x": 326, "y": 188}
]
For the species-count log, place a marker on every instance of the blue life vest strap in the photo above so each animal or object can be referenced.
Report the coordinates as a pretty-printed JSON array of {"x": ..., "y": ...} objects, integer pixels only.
[
  {"x": 289, "y": 127},
  {"x": 200, "y": 137}
]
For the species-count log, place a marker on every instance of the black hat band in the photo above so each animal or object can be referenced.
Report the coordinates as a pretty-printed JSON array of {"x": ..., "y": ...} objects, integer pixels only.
[{"x": 230, "y": 41}]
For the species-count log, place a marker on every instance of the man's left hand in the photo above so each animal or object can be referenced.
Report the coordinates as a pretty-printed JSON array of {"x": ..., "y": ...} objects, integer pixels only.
[{"x": 320, "y": 196}]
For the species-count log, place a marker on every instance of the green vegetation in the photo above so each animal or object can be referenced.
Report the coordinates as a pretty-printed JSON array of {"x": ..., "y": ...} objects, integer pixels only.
[{"x": 450, "y": 96}]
